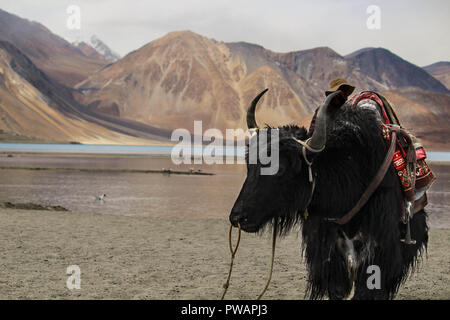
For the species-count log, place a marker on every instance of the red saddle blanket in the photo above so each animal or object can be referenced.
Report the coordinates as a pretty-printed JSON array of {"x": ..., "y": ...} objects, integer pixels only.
[{"x": 424, "y": 176}]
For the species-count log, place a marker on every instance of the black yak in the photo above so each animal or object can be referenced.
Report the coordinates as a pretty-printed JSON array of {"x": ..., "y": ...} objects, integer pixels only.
[{"x": 345, "y": 152}]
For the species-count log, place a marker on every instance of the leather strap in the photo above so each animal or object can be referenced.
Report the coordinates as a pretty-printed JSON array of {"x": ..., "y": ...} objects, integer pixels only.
[
  {"x": 373, "y": 184},
  {"x": 411, "y": 156}
]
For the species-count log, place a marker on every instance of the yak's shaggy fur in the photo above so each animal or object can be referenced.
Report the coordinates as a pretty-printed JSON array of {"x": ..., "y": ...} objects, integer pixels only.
[{"x": 354, "y": 151}]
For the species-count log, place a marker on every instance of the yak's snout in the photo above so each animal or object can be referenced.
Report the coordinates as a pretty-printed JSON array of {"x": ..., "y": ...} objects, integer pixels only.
[{"x": 237, "y": 218}]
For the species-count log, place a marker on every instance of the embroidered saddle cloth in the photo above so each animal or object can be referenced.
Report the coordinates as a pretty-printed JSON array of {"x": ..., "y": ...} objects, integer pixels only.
[{"x": 424, "y": 176}]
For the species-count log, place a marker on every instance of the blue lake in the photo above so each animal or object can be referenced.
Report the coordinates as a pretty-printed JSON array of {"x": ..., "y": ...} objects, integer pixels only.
[
  {"x": 140, "y": 150},
  {"x": 84, "y": 148}
]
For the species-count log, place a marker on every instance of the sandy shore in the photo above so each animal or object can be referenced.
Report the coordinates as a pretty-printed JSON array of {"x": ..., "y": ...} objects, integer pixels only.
[{"x": 150, "y": 258}]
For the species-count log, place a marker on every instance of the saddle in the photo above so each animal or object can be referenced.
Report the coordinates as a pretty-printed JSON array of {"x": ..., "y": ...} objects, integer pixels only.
[{"x": 409, "y": 157}]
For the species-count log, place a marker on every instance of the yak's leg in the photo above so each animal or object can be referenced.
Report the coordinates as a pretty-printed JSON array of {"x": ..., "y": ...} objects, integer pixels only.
[
  {"x": 328, "y": 278},
  {"x": 395, "y": 262},
  {"x": 327, "y": 275},
  {"x": 380, "y": 277},
  {"x": 339, "y": 284},
  {"x": 344, "y": 265}
]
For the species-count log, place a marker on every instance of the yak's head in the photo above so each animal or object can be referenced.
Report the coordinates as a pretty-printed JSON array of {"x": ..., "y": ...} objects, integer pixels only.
[{"x": 279, "y": 198}]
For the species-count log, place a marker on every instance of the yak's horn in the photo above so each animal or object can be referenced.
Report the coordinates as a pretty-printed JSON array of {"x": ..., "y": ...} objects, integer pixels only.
[
  {"x": 251, "y": 121},
  {"x": 318, "y": 139}
]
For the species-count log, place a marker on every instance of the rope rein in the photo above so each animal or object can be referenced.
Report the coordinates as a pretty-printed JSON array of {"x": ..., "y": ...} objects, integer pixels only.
[
  {"x": 233, "y": 254},
  {"x": 305, "y": 146}
]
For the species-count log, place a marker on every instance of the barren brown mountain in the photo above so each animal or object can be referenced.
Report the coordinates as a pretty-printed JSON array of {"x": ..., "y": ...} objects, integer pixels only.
[
  {"x": 441, "y": 71},
  {"x": 425, "y": 113},
  {"x": 34, "y": 105},
  {"x": 101, "y": 47},
  {"x": 183, "y": 77},
  {"x": 50, "y": 53},
  {"x": 392, "y": 71},
  {"x": 89, "y": 51},
  {"x": 319, "y": 65}
]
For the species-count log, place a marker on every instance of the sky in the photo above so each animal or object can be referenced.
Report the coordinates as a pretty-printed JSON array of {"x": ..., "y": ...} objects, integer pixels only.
[{"x": 415, "y": 30}]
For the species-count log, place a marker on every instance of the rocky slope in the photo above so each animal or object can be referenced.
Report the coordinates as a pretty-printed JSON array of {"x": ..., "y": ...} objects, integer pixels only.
[
  {"x": 89, "y": 51},
  {"x": 103, "y": 49},
  {"x": 441, "y": 71},
  {"x": 50, "y": 53},
  {"x": 392, "y": 71},
  {"x": 425, "y": 113},
  {"x": 34, "y": 105},
  {"x": 183, "y": 77}
]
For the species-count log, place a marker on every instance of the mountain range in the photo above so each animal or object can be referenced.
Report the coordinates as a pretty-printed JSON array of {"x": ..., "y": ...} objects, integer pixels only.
[
  {"x": 441, "y": 71},
  {"x": 97, "y": 49},
  {"x": 34, "y": 105},
  {"x": 49, "y": 52},
  {"x": 183, "y": 76}
]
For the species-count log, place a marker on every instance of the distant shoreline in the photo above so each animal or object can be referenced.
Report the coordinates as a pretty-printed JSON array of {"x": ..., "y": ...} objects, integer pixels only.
[
  {"x": 140, "y": 151},
  {"x": 163, "y": 171}
]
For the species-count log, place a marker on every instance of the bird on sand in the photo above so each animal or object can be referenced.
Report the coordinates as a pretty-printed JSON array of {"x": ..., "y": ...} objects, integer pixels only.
[{"x": 100, "y": 197}]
